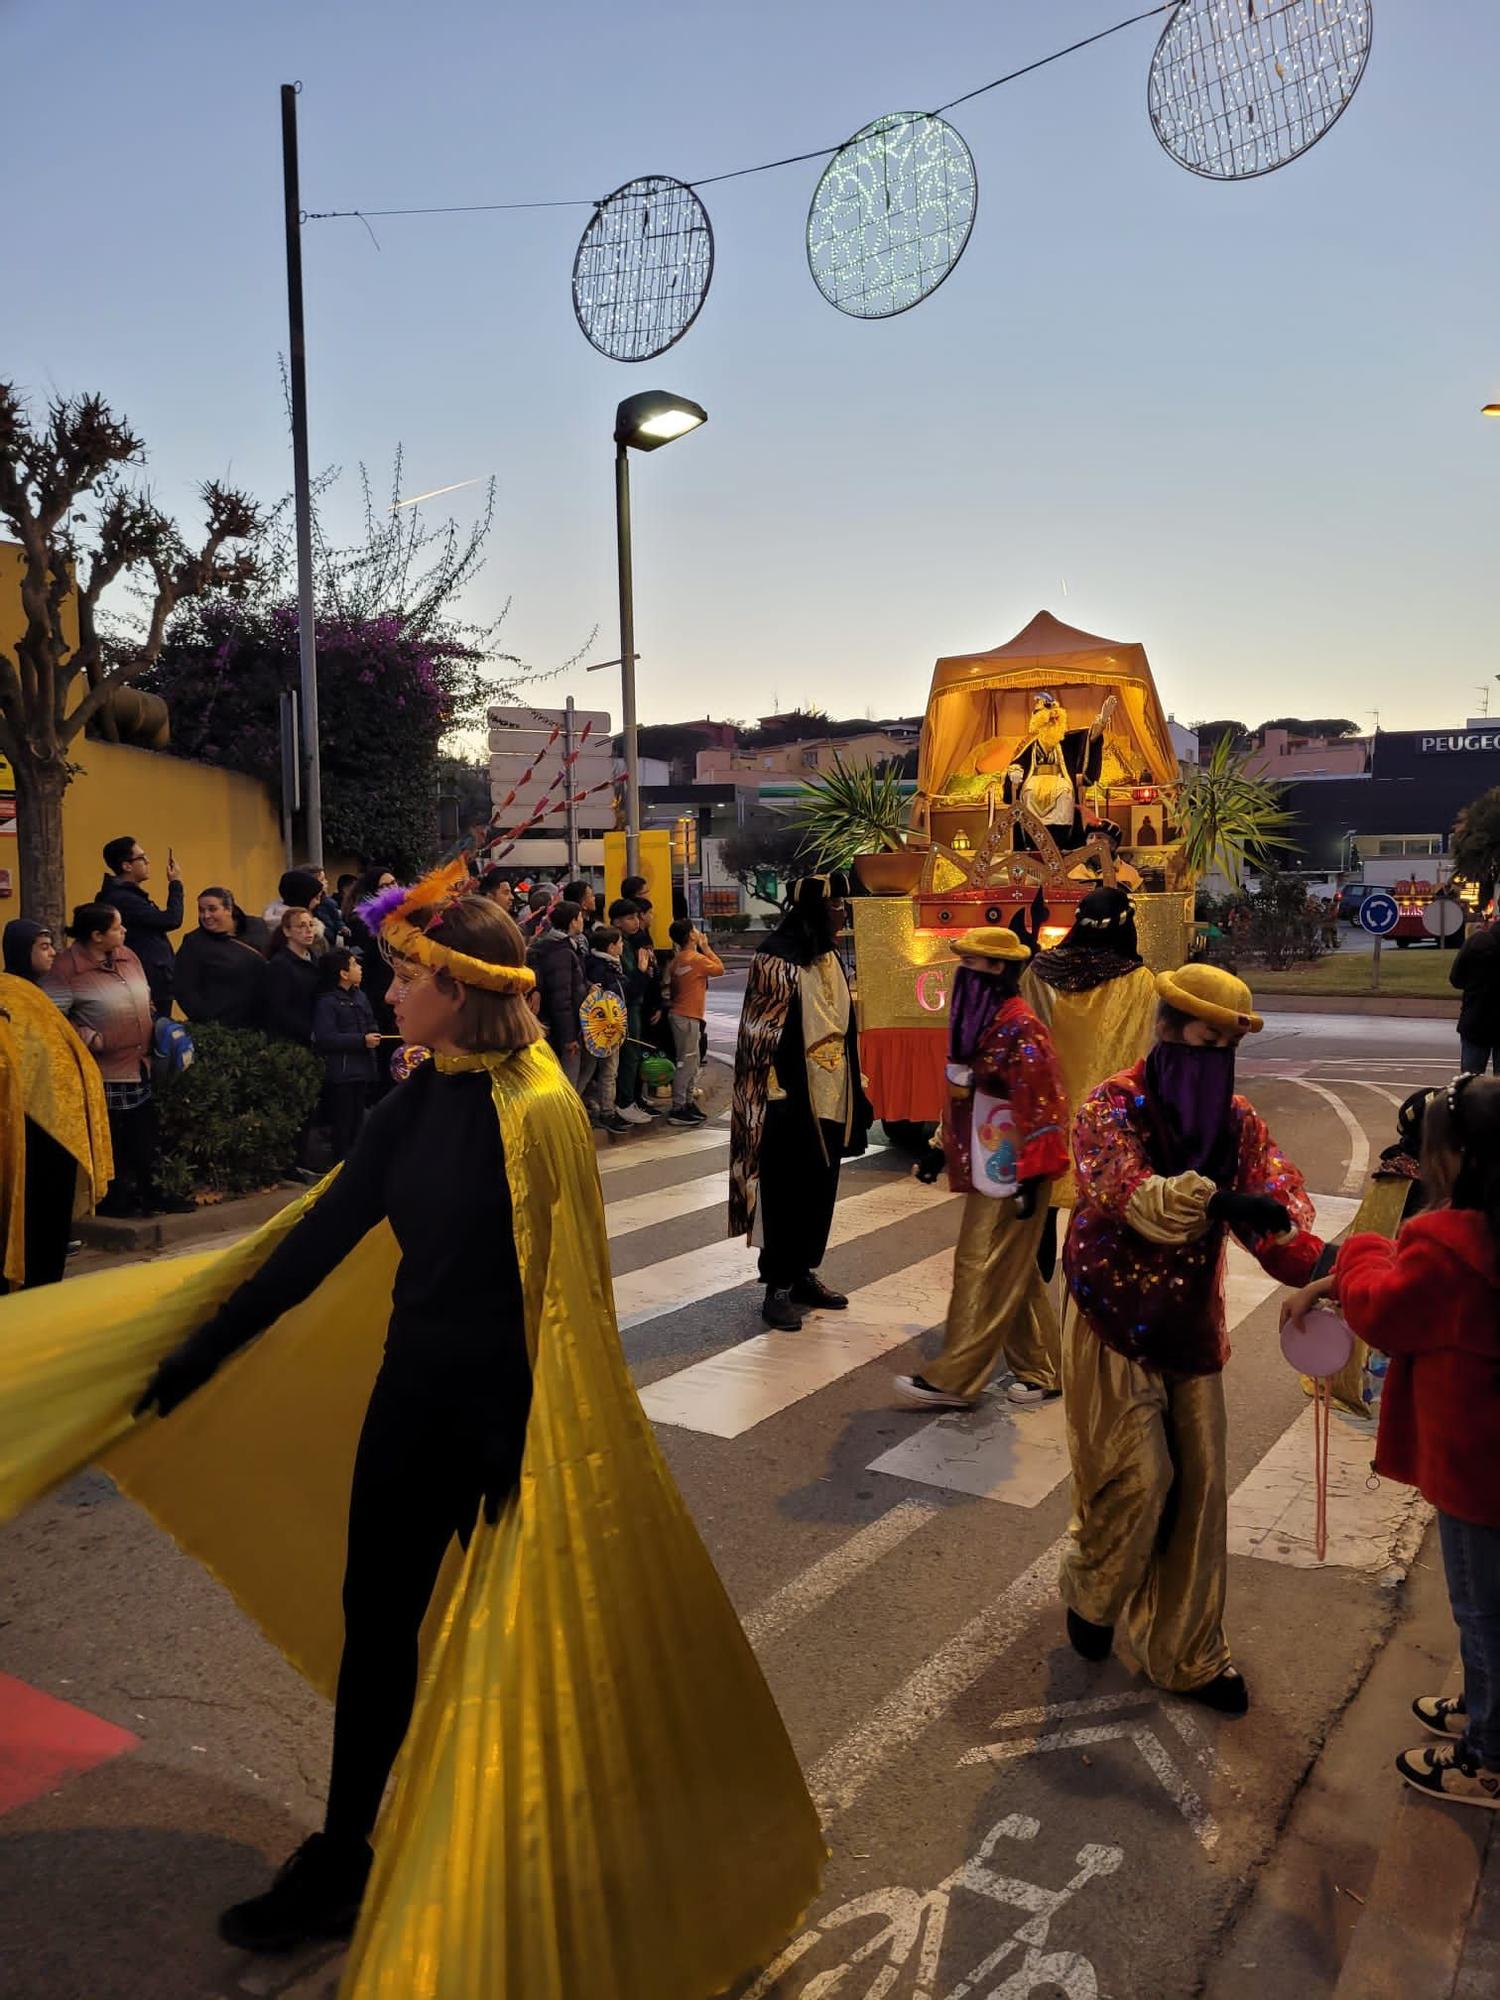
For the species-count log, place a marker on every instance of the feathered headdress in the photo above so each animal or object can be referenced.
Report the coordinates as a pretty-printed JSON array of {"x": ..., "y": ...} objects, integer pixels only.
[{"x": 403, "y": 918}]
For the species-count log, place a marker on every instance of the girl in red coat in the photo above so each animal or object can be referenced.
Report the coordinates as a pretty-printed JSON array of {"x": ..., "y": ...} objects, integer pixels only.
[{"x": 1431, "y": 1301}]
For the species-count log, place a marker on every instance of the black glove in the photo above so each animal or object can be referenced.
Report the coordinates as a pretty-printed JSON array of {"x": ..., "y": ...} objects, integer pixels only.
[
  {"x": 1249, "y": 1215},
  {"x": 930, "y": 1163},
  {"x": 191, "y": 1363},
  {"x": 1025, "y": 1197}
]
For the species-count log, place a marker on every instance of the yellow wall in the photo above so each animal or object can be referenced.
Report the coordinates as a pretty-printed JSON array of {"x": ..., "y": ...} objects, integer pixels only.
[
  {"x": 223, "y": 827},
  {"x": 220, "y": 825}
]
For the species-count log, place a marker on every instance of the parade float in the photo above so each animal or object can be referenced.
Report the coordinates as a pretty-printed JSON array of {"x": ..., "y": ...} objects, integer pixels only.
[{"x": 1045, "y": 767}]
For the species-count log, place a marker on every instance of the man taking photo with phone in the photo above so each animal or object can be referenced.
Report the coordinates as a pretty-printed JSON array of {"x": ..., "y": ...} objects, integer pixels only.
[{"x": 127, "y": 867}]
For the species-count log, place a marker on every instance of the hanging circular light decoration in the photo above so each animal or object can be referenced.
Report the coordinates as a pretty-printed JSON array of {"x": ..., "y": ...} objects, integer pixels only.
[
  {"x": 892, "y": 214},
  {"x": 643, "y": 268},
  {"x": 1241, "y": 87}
]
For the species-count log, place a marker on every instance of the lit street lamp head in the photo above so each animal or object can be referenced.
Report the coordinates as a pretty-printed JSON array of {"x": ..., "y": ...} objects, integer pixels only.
[{"x": 654, "y": 418}]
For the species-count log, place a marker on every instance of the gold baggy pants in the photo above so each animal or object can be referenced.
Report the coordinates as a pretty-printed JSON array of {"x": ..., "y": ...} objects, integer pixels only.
[
  {"x": 999, "y": 1303},
  {"x": 1147, "y": 1544}
]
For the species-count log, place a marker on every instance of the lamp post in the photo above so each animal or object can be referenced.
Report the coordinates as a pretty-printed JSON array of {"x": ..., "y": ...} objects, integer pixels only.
[{"x": 642, "y": 423}]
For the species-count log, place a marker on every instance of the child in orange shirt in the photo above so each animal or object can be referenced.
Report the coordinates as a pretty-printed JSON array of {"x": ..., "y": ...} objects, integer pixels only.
[{"x": 688, "y": 974}]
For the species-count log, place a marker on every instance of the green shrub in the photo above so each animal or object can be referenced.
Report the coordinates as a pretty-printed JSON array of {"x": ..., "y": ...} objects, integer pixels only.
[
  {"x": 739, "y": 922},
  {"x": 230, "y": 1122}
]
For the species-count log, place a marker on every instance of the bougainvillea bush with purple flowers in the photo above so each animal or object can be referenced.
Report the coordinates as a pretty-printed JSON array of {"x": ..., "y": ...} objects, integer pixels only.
[{"x": 386, "y": 699}]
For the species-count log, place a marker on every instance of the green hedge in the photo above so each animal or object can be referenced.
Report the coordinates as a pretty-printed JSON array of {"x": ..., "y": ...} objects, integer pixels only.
[
  {"x": 741, "y": 922},
  {"x": 230, "y": 1122}
]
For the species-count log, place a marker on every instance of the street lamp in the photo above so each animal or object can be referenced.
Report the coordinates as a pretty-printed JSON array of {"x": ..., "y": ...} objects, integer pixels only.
[{"x": 642, "y": 423}]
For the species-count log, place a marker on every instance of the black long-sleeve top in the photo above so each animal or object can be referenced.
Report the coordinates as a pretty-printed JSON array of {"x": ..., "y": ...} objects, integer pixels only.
[
  {"x": 429, "y": 1160},
  {"x": 291, "y": 992}
]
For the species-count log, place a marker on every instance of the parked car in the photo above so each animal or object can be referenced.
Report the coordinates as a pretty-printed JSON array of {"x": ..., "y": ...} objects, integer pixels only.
[{"x": 1351, "y": 896}]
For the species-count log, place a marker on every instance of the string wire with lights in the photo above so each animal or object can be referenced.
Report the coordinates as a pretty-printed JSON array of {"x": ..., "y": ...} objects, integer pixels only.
[{"x": 1237, "y": 88}]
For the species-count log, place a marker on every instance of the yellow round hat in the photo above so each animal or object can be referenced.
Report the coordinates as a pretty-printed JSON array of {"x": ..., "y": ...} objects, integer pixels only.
[
  {"x": 991, "y": 941},
  {"x": 1210, "y": 994}
]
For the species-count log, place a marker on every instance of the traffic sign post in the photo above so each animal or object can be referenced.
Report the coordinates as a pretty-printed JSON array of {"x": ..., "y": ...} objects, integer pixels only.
[{"x": 1378, "y": 914}]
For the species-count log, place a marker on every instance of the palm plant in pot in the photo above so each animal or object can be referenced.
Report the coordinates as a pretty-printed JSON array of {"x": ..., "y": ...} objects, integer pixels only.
[
  {"x": 1231, "y": 820},
  {"x": 857, "y": 815}
]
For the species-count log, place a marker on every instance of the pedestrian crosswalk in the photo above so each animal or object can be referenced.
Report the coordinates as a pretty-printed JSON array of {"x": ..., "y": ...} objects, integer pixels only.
[
  {"x": 870, "y": 1200},
  {"x": 1010, "y": 1457}
]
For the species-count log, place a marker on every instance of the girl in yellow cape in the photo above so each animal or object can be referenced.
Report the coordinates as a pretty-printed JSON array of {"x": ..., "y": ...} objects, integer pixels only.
[{"x": 595, "y": 1794}]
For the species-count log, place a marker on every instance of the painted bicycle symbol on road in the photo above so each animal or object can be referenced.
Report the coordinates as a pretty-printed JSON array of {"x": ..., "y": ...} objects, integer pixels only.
[{"x": 911, "y": 1930}]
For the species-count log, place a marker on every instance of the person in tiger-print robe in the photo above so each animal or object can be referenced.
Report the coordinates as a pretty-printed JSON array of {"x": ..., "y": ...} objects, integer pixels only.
[{"x": 799, "y": 1104}]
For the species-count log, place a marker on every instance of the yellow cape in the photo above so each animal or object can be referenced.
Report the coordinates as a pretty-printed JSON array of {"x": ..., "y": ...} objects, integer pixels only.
[
  {"x": 1095, "y": 1035},
  {"x": 61, "y": 1089},
  {"x": 597, "y": 1795}
]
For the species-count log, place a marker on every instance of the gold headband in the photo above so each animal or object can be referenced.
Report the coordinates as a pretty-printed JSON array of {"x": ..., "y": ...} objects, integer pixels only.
[{"x": 402, "y": 938}]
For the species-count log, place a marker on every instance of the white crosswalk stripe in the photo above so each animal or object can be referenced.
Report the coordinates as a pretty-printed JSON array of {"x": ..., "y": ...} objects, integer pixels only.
[
  {"x": 730, "y": 1392},
  {"x": 624, "y": 1214},
  {"x": 1018, "y": 1456},
  {"x": 696, "y": 1275}
]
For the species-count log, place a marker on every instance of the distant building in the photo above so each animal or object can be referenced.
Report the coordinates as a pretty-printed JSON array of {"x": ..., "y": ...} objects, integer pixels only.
[
  {"x": 1286, "y": 757},
  {"x": 1395, "y": 819},
  {"x": 804, "y": 757}
]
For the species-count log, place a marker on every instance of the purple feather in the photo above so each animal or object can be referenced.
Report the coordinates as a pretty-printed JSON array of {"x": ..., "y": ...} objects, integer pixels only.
[{"x": 375, "y": 911}]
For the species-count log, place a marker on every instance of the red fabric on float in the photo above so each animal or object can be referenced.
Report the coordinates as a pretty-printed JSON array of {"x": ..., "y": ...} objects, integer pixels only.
[{"x": 905, "y": 1070}]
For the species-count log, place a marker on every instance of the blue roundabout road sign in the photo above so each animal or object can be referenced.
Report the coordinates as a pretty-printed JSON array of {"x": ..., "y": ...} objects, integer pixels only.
[{"x": 1378, "y": 914}]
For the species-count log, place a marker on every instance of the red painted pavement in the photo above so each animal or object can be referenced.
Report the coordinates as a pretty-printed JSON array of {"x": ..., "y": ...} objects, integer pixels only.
[{"x": 43, "y": 1741}]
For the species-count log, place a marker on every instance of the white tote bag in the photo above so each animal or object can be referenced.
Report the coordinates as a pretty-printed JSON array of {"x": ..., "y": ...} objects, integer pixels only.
[{"x": 992, "y": 1147}]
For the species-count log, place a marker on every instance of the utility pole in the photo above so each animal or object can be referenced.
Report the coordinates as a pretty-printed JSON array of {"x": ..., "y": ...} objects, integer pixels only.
[
  {"x": 572, "y": 809},
  {"x": 307, "y": 650}
]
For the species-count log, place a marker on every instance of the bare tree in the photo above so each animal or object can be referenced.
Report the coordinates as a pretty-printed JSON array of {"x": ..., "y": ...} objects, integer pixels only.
[{"x": 81, "y": 529}]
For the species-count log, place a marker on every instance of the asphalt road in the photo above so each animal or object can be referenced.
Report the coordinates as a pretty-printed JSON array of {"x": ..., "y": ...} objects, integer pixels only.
[{"x": 1003, "y": 1819}]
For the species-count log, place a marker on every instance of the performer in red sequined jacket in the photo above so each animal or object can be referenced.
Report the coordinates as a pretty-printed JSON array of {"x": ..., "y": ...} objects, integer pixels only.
[
  {"x": 1169, "y": 1161},
  {"x": 1000, "y": 1065}
]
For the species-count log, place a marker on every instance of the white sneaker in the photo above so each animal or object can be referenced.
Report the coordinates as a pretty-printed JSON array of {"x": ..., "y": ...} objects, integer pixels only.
[
  {"x": 633, "y": 1115},
  {"x": 1028, "y": 1395},
  {"x": 912, "y": 1393}
]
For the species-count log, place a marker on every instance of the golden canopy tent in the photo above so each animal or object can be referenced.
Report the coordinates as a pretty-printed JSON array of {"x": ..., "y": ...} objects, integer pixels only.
[{"x": 982, "y": 699}]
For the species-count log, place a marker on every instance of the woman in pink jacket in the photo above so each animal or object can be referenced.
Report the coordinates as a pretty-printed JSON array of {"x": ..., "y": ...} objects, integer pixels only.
[{"x": 100, "y": 985}]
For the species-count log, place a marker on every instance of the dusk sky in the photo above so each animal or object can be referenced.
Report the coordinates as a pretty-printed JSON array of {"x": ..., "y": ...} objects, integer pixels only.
[{"x": 1239, "y": 423}]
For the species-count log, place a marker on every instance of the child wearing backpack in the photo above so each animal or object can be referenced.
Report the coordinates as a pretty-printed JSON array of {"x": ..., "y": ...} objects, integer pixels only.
[
  {"x": 345, "y": 1036},
  {"x": 1431, "y": 1301}
]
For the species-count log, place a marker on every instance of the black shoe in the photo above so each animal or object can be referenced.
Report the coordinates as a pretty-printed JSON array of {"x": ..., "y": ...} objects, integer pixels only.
[
  {"x": 1094, "y": 1642},
  {"x": 1227, "y": 1693},
  {"x": 778, "y": 1309},
  {"x": 810, "y": 1290},
  {"x": 698, "y": 1115},
  {"x": 316, "y": 1895},
  {"x": 616, "y": 1124}
]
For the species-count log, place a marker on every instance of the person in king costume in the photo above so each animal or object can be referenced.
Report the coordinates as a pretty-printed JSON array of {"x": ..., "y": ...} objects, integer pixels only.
[
  {"x": 1168, "y": 1158},
  {"x": 799, "y": 1106},
  {"x": 1001, "y": 1069},
  {"x": 595, "y": 1794},
  {"x": 1053, "y": 769},
  {"x": 54, "y": 1125},
  {"x": 1097, "y": 1001}
]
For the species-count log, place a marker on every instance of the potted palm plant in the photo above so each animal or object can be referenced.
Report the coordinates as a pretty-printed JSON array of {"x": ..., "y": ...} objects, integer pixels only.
[
  {"x": 1231, "y": 820},
  {"x": 857, "y": 816}
]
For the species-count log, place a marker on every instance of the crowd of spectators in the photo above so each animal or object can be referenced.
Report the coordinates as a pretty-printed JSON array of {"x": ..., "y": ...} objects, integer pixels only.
[{"x": 309, "y": 971}]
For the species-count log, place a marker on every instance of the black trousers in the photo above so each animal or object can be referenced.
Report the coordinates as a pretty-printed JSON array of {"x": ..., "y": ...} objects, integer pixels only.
[
  {"x": 418, "y": 1482},
  {"x": 132, "y": 1136},
  {"x": 798, "y": 1189},
  {"x": 51, "y": 1182},
  {"x": 345, "y": 1104}
]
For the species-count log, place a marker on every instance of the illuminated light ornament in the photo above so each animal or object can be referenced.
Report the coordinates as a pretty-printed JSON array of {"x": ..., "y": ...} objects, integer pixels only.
[
  {"x": 643, "y": 268},
  {"x": 1241, "y": 87},
  {"x": 892, "y": 214}
]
